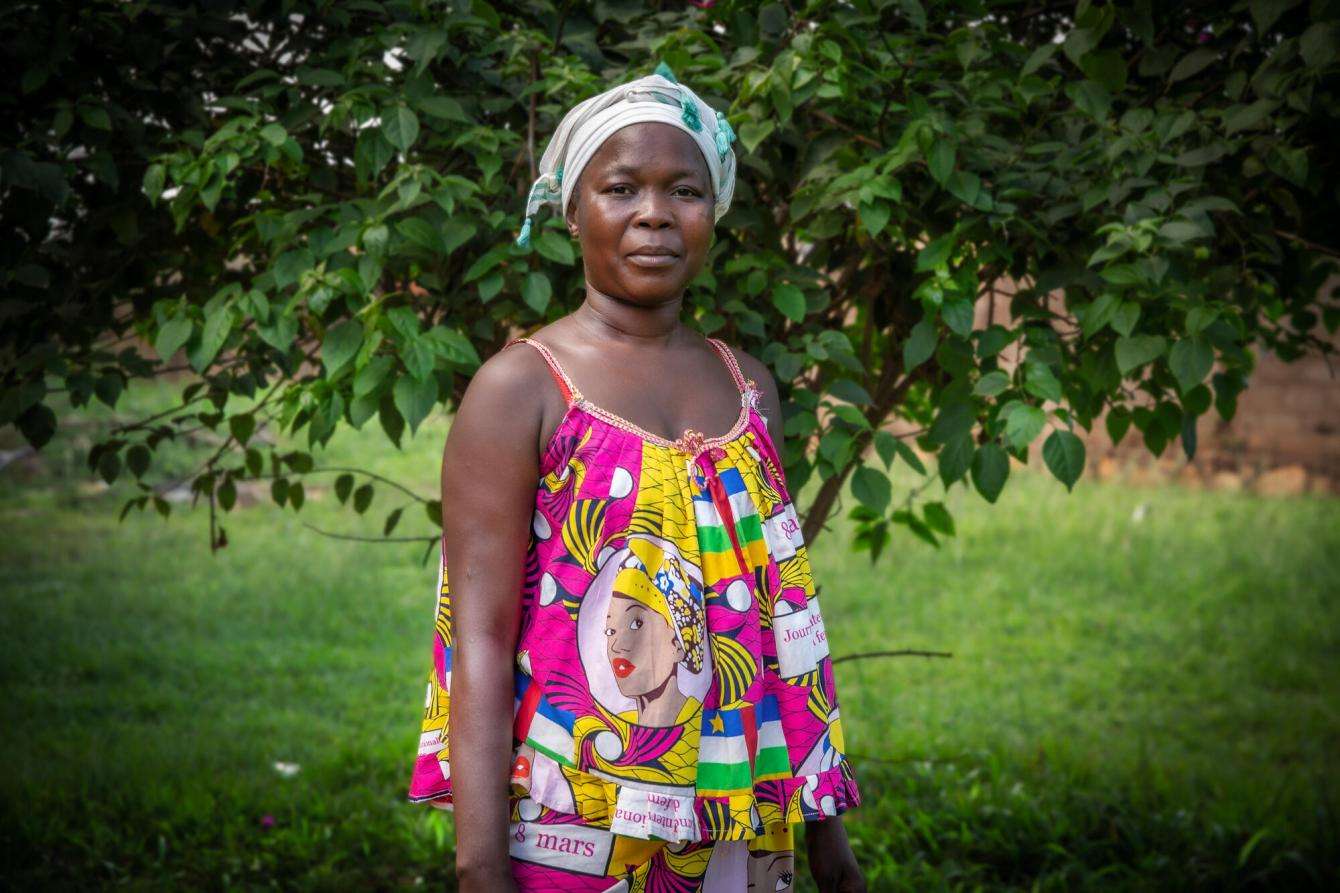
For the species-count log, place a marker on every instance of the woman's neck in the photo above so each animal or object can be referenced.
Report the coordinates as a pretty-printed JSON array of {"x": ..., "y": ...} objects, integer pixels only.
[
  {"x": 660, "y": 707},
  {"x": 606, "y": 317}
]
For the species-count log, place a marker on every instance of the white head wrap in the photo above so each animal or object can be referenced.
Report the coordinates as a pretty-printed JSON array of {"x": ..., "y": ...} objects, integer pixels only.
[{"x": 656, "y": 97}]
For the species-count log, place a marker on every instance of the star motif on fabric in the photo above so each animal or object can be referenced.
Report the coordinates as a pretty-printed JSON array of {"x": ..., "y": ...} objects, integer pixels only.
[{"x": 718, "y": 725}]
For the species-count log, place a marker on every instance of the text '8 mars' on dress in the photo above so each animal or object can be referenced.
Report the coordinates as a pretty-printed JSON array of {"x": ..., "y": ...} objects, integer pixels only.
[{"x": 673, "y": 685}]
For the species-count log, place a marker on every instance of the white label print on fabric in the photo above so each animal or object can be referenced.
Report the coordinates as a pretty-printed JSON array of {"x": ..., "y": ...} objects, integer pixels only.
[
  {"x": 801, "y": 639},
  {"x": 782, "y": 531},
  {"x": 576, "y": 848},
  {"x": 639, "y": 813}
]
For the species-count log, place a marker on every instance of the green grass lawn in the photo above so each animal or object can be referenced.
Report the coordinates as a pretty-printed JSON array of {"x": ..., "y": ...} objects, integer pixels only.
[{"x": 1143, "y": 693}]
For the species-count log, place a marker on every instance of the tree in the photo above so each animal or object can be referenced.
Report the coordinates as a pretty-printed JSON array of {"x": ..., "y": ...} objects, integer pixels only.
[{"x": 305, "y": 200}]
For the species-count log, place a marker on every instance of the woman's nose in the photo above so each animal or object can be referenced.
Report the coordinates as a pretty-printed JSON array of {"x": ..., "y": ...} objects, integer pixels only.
[{"x": 654, "y": 211}]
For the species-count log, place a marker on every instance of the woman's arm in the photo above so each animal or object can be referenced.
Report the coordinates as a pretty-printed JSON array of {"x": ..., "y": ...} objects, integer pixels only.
[
  {"x": 832, "y": 862},
  {"x": 490, "y": 466}
]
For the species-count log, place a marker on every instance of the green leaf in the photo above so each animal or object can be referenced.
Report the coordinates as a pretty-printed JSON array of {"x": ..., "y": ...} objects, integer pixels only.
[
  {"x": 415, "y": 398},
  {"x": 875, "y": 216},
  {"x": 342, "y": 341},
  {"x": 1197, "y": 318},
  {"x": 1190, "y": 361},
  {"x": 886, "y": 445},
  {"x": 218, "y": 325},
  {"x": 790, "y": 301},
  {"x": 990, "y": 470},
  {"x": 1124, "y": 320},
  {"x": 938, "y": 518},
  {"x": 1090, "y": 98},
  {"x": 443, "y": 107},
  {"x": 1024, "y": 424},
  {"x": 1107, "y": 68},
  {"x": 920, "y": 345},
  {"x": 965, "y": 186},
  {"x": 958, "y": 315},
  {"x": 954, "y": 420},
  {"x": 1318, "y": 44},
  {"x": 174, "y": 333},
  {"x": 95, "y": 116},
  {"x": 955, "y": 459},
  {"x": 372, "y": 375},
  {"x": 935, "y": 255},
  {"x": 1064, "y": 454},
  {"x": 137, "y": 459},
  {"x": 1266, "y": 12},
  {"x": 456, "y": 233},
  {"x": 941, "y": 160},
  {"x": 872, "y": 488},
  {"x": 344, "y": 484},
  {"x": 754, "y": 132},
  {"x": 555, "y": 247},
  {"x": 1118, "y": 422},
  {"x": 1193, "y": 63},
  {"x": 846, "y": 389},
  {"x": 910, "y": 457},
  {"x": 1099, "y": 314},
  {"x": 1042, "y": 383},
  {"x": 1247, "y": 117},
  {"x": 400, "y": 126},
  {"x": 1136, "y": 350},
  {"x": 1038, "y": 58},
  {"x": 536, "y": 291},
  {"x": 154, "y": 177},
  {"x": 391, "y": 521},
  {"x": 242, "y": 426},
  {"x": 991, "y": 384},
  {"x": 274, "y": 134},
  {"x": 421, "y": 233},
  {"x": 363, "y": 498}
]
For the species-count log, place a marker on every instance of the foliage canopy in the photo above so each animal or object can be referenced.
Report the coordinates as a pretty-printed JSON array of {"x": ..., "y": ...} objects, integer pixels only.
[{"x": 314, "y": 205}]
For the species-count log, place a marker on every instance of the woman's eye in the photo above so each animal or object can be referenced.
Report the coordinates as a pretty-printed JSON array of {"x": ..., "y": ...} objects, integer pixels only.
[
  {"x": 620, "y": 186},
  {"x": 784, "y": 881},
  {"x": 635, "y": 624}
]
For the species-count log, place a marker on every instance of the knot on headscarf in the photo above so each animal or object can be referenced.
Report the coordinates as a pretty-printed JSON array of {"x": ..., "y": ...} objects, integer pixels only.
[{"x": 657, "y": 97}]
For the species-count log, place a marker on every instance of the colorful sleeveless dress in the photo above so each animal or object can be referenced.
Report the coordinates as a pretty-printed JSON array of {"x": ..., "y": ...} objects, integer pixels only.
[{"x": 675, "y": 710}]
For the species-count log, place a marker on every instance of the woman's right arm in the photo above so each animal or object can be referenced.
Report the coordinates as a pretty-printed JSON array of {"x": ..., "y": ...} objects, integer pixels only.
[{"x": 490, "y": 466}]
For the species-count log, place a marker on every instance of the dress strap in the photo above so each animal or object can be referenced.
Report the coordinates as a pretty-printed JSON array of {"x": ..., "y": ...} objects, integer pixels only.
[
  {"x": 728, "y": 356},
  {"x": 565, "y": 385}
]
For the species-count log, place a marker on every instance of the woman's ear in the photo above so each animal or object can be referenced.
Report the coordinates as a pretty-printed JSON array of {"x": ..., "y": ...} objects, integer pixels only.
[{"x": 570, "y": 216}]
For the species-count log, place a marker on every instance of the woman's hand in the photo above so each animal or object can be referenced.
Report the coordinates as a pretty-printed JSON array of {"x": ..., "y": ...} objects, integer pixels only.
[{"x": 832, "y": 863}]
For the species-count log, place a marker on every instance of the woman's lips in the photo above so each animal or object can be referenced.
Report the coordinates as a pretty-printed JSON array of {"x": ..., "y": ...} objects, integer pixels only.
[
  {"x": 622, "y": 667},
  {"x": 653, "y": 260}
]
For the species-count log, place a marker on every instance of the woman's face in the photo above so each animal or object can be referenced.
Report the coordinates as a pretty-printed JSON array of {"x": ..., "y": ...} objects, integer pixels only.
[
  {"x": 646, "y": 188},
  {"x": 641, "y": 647}
]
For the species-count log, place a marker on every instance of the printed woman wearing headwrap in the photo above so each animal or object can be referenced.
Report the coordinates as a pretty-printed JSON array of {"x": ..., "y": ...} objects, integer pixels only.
[
  {"x": 640, "y": 175},
  {"x": 651, "y": 628}
]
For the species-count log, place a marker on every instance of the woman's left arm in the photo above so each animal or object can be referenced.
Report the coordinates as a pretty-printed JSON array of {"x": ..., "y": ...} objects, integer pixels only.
[{"x": 832, "y": 862}]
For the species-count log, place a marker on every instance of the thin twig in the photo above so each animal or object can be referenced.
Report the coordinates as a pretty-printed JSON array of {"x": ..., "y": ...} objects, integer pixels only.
[
  {"x": 369, "y": 539},
  {"x": 376, "y": 477},
  {"x": 901, "y": 652},
  {"x": 1307, "y": 243}
]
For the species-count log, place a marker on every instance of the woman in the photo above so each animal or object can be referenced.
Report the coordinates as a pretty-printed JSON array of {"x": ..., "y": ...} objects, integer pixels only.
[{"x": 692, "y": 794}]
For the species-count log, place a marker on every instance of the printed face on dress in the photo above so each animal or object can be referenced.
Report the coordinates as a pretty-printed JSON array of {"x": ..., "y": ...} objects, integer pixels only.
[
  {"x": 642, "y": 649},
  {"x": 770, "y": 872},
  {"x": 647, "y": 186}
]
